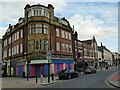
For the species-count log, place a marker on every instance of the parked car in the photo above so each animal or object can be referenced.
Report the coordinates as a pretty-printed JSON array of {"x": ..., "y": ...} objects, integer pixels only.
[
  {"x": 90, "y": 70},
  {"x": 74, "y": 74},
  {"x": 67, "y": 75},
  {"x": 63, "y": 75}
]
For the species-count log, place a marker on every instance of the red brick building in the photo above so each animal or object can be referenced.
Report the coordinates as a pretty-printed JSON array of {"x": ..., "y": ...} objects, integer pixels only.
[
  {"x": 85, "y": 50},
  {"x": 38, "y": 32}
]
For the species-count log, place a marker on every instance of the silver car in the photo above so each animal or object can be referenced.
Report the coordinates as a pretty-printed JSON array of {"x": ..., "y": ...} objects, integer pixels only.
[{"x": 90, "y": 70}]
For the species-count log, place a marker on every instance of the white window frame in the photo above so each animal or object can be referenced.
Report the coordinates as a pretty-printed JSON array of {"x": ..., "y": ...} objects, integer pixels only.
[
  {"x": 67, "y": 49},
  {"x": 21, "y": 33},
  {"x": 63, "y": 47},
  {"x": 57, "y": 46},
  {"x": 9, "y": 52},
  {"x": 70, "y": 50},
  {"x": 57, "y": 32},
  {"x": 66, "y": 35},
  {"x": 17, "y": 35},
  {"x": 63, "y": 34},
  {"x": 69, "y": 36},
  {"x": 21, "y": 48},
  {"x": 37, "y": 30}
]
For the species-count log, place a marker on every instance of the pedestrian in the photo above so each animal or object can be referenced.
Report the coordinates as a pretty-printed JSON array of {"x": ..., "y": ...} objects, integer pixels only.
[{"x": 96, "y": 66}]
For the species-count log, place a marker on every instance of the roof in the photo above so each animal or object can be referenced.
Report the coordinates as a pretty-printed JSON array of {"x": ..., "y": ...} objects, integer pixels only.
[
  {"x": 88, "y": 41},
  {"x": 28, "y": 5}
]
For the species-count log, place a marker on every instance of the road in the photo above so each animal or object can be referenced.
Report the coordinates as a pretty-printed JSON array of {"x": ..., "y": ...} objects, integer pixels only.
[{"x": 96, "y": 80}]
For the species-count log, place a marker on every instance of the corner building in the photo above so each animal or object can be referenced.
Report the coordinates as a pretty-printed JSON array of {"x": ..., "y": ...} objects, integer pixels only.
[{"x": 32, "y": 37}]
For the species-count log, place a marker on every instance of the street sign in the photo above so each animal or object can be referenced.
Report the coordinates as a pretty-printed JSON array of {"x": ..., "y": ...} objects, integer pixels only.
[{"x": 49, "y": 54}]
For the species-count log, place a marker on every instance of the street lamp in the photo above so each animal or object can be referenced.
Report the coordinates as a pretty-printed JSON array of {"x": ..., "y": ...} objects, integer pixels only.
[
  {"x": 28, "y": 61},
  {"x": 49, "y": 55}
]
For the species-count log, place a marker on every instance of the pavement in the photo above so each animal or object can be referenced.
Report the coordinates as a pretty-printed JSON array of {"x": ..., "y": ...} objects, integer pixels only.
[
  {"x": 114, "y": 79},
  {"x": 18, "y": 82}
]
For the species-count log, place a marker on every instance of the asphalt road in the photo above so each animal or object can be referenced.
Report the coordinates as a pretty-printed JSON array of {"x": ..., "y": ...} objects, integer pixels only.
[{"x": 96, "y": 80}]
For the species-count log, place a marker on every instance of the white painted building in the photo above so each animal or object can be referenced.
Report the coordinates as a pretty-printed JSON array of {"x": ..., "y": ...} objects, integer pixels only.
[
  {"x": 100, "y": 57},
  {"x": 116, "y": 57},
  {"x": 108, "y": 56}
]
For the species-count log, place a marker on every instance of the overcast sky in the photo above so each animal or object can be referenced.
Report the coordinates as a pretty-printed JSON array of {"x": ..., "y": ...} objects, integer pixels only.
[{"x": 90, "y": 18}]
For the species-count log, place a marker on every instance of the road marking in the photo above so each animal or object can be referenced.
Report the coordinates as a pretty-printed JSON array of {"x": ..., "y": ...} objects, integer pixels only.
[{"x": 107, "y": 82}]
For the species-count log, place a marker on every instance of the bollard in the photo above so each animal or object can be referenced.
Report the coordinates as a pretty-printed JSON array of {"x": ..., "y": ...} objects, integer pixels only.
[
  {"x": 52, "y": 76},
  {"x": 41, "y": 78},
  {"x": 36, "y": 79}
]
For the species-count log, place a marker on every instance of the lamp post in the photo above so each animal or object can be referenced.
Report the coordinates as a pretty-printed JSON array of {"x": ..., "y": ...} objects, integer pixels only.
[
  {"x": 48, "y": 55},
  {"x": 28, "y": 61},
  {"x": 27, "y": 68},
  {"x": 48, "y": 71}
]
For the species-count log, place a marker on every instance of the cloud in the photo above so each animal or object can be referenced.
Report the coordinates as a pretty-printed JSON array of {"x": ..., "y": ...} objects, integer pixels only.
[
  {"x": 61, "y": 0},
  {"x": 3, "y": 30},
  {"x": 12, "y": 10},
  {"x": 14, "y": 14},
  {"x": 89, "y": 26}
]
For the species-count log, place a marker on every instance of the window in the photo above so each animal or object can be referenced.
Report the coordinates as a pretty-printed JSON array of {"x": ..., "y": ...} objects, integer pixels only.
[
  {"x": 90, "y": 53},
  {"x": 40, "y": 44},
  {"x": 69, "y": 36},
  {"x": 66, "y": 35},
  {"x": 57, "y": 46},
  {"x": 70, "y": 49},
  {"x": 9, "y": 52},
  {"x": 35, "y": 12},
  {"x": 45, "y": 44},
  {"x": 33, "y": 30},
  {"x": 21, "y": 47},
  {"x": 40, "y": 30},
  {"x": 37, "y": 30},
  {"x": 5, "y": 42},
  {"x": 21, "y": 34},
  {"x": 17, "y": 35},
  {"x": 57, "y": 32},
  {"x": 40, "y": 25},
  {"x": 63, "y": 34},
  {"x": 66, "y": 47},
  {"x": 85, "y": 52},
  {"x": 37, "y": 25},
  {"x": 13, "y": 38},
  {"x": 37, "y": 45},
  {"x": 39, "y": 13},
  {"x": 14, "y": 50},
  {"x": 63, "y": 47},
  {"x": 9, "y": 40},
  {"x": 46, "y": 13},
  {"x": 5, "y": 53},
  {"x": 45, "y": 29},
  {"x": 30, "y": 31}
]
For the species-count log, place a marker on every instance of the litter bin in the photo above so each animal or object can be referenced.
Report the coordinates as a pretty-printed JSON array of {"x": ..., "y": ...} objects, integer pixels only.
[{"x": 23, "y": 74}]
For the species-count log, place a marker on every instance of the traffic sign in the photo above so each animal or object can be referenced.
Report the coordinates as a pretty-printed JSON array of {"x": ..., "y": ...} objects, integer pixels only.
[{"x": 49, "y": 54}]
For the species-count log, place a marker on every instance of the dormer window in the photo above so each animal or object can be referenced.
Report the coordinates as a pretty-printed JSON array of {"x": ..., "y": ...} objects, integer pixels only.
[{"x": 38, "y": 12}]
